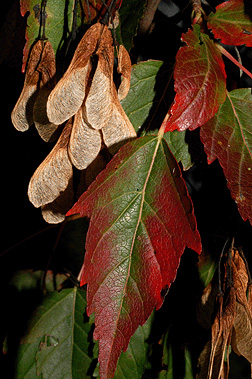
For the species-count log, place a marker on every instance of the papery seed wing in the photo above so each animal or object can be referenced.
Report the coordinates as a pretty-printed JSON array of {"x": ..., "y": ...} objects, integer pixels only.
[
  {"x": 119, "y": 128},
  {"x": 68, "y": 95},
  {"x": 85, "y": 142},
  {"x": 124, "y": 68},
  {"x": 47, "y": 70},
  {"x": 221, "y": 332},
  {"x": 54, "y": 212},
  {"x": 54, "y": 173},
  {"x": 99, "y": 101},
  {"x": 242, "y": 330},
  {"x": 45, "y": 128},
  {"x": 22, "y": 114}
]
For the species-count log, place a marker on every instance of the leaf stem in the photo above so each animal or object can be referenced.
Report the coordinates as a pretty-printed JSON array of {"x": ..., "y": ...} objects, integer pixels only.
[
  {"x": 163, "y": 125},
  {"x": 229, "y": 56}
]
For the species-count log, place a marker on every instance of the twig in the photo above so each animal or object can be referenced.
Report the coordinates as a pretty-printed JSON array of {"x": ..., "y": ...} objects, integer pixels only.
[
  {"x": 229, "y": 56},
  {"x": 148, "y": 15}
]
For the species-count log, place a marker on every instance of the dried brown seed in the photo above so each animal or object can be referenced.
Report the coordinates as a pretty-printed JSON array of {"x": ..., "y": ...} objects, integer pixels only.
[
  {"x": 242, "y": 330},
  {"x": 39, "y": 80},
  {"x": 118, "y": 128},
  {"x": 54, "y": 212},
  {"x": 99, "y": 102},
  {"x": 68, "y": 95},
  {"x": 211, "y": 360},
  {"x": 45, "y": 128},
  {"x": 54, "y": 173},
  {"x": 22, "y": 114},
  {"x": 85, "y": 142},
  {"x": 47, "y": 70},
  {"x": 124, "y": 68}
]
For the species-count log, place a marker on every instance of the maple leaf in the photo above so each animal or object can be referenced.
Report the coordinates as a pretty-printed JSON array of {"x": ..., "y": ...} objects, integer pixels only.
[
  {"x": 141, "y": 221},
  {"x": 228, "y": 137},
  {"x": 231, "y": 24},
  {"x": 200, "y": 82}
]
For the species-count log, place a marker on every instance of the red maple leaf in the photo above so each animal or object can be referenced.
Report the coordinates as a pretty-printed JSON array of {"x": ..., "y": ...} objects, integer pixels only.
[
  {"x": 200, "y": 82},
  {"x": 228, "y": 137},
  {"x": 231, "y": 23},
  {"x": 141, "y": 220}
]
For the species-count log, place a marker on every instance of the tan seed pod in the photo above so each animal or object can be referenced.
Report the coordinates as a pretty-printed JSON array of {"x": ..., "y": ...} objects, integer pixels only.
[
  {"x": 54, "y": 173},
  {"x": 124, "y": 68},
  {"x": 22, "y": 114},
  {"x": 99, "y": 102},
  {"x": 85, "y": 142},
  {"x": 47, "y": 70},
  {"x": 119, "y": 128},
  {"x": 68, "y": 95},
  {"x": 45, "y": 128},
  {"x": 54, "y": 212}
]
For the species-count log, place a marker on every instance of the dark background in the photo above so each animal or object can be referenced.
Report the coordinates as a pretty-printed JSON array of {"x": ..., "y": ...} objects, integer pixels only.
[{"x": 28, "y": 242}]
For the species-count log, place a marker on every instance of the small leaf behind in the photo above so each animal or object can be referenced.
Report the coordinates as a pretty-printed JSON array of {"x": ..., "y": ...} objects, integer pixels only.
[
  {"x": 139, "y": 100},
  {"x": 56, "y": 344}
]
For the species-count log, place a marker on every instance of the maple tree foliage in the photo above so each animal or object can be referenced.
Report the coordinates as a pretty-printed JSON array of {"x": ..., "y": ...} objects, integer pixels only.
[{"x": 119, "y": 160}]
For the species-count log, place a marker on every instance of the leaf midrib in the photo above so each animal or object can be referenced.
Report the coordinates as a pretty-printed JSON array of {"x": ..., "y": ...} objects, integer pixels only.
[{"x": 135, "y": 234}]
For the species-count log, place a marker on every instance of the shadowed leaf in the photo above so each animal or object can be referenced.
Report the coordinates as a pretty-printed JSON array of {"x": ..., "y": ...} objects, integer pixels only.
[
  {"x": 228, "y": 137},
  {"x": 56, "y": 343}
]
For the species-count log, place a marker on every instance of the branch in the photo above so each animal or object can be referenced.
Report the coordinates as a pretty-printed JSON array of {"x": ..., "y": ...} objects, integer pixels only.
[{"x": 148, "y": 15}]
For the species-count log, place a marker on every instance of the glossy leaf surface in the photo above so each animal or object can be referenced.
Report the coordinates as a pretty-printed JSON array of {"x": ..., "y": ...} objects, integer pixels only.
[
  {"x": 228, "y": 137},
  {"x": 141, "y": 221},
  {"x": 199, "y": 82},
  {"x": 231, "y": 23}
]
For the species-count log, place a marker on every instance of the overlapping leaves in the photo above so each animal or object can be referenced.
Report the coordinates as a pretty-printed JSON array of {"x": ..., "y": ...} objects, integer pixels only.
[
  {"x": 58, "y": 341},
  {"x": 141, "y": 217},
  {"x": 200, "y": 84}
]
